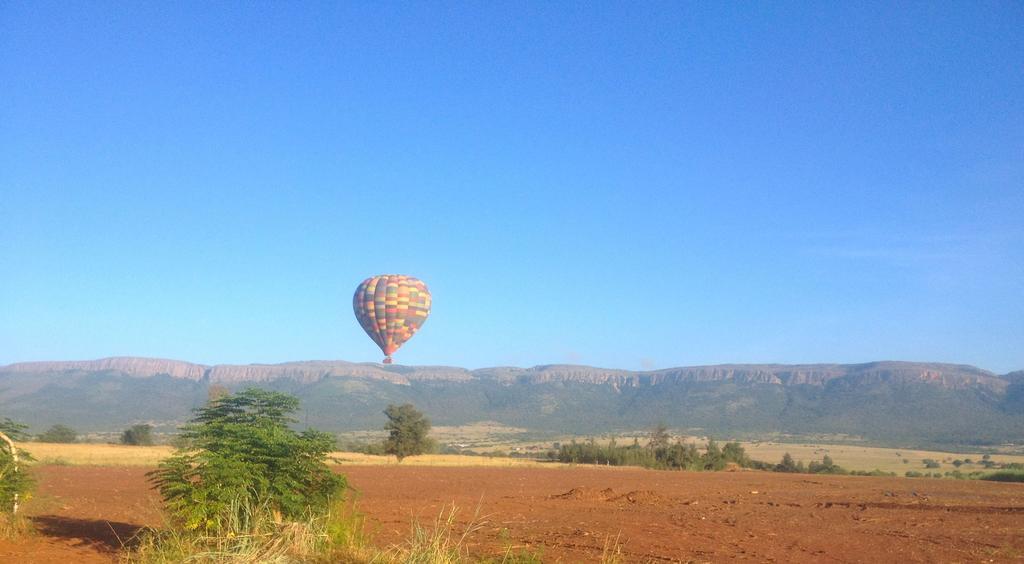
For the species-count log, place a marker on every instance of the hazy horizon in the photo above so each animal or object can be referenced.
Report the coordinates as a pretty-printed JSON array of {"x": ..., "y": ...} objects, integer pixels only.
[{"x": 471, "y": 368}]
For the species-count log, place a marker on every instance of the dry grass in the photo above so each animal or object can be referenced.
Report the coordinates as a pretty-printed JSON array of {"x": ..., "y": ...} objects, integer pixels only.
[
  {"x": 848, "y": 456},
  {"x": 88, "y": 454},
  {"x": 255, "y": 535},
  {"x": 483, "y": 436},
  {"x": 869, "y": 458},
  {"x": 256, "y": 538},
  {"x": 441, "y": 543},
  {"x": 14, "y": 526},
  {"x": 358, "y": 459}
]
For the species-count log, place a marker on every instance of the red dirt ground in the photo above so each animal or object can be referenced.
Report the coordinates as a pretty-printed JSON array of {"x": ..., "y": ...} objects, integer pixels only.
[{"x": 81, "y": 514}]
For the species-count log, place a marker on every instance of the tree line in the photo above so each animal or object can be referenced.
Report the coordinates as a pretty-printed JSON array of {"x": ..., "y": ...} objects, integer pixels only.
[{"x": 661, "y": 454}]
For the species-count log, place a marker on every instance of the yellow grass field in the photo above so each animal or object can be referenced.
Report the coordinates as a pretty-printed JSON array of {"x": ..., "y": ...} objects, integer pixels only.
[
  {"x": 92, "y": 454},
  {"x": 358, "y": 459},
  {"x": 848, "y": 456},
  {"x": 854, "y": 457}
]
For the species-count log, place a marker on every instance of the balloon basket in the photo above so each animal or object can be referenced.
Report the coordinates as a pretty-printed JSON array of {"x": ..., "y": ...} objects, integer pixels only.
[{"x": 387, "y": 360}]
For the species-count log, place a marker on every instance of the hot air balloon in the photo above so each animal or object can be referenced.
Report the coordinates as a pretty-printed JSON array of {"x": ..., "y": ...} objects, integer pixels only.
[{"x": 391, "y": 308}]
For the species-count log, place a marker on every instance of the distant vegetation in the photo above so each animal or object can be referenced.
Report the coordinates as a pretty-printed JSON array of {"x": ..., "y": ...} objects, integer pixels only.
[
  {"x": 659, "y": 454},
  {"x": 870, "y": 403},
  {"x": 1005, "y": 476},
  {"x": 407, "y": 435},
  {"x": 138, "y": 435},
  {"x": 58, "y": 434},
  {"x": 1004, "y": 471},
  {"x": 407, "y": 431}
]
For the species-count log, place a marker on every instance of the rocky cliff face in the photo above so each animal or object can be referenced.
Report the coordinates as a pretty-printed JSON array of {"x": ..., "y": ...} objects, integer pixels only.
[
  {"x": 1015, "y": 377},
  {"x": 304, "y": 372},
  {"x": 132, "y": 366},
  {"x": 948, "y": 376},
  {"x": 891, "y": 401},
  {"x": 314, "y": 371}
]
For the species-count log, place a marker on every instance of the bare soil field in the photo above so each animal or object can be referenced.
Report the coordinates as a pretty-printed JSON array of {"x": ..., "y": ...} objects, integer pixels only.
[{"x": 82, "y": 514}]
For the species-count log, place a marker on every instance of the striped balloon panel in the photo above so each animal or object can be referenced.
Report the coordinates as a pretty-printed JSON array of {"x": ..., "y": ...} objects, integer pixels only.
[{"x": 391, "y": 308}]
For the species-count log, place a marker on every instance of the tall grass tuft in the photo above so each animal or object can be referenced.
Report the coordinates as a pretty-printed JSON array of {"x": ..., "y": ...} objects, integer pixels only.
[
  {"x": 611, "y": 553},
  {"x": 14, "y": 526},
  {"x": 256, "y": 534},
  {"x": 443, "y": 543}
]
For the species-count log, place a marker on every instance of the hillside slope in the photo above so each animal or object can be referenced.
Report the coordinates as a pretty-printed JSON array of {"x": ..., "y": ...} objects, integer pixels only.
[{"x": 901, "y": 402}]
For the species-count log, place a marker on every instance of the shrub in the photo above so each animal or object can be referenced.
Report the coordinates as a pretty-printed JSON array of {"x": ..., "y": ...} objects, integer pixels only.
[
  {"x": 930, "y": 463},
  {"x": 826, "y": 466},
  {"x": 1005, "y": 476},
  {"x": 15, "y": 483},
  {"x": 244, "y": 455},
  {"x": 58, "y": 434},
  {"x": 138, "y": 435},
  {"x": 788, "y": 464},
  {"x": 875, "y": 472}
]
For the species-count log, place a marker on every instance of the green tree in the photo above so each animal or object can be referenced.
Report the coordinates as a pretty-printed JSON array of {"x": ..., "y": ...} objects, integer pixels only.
[
  {"x": 15, "y": 482},
  {"x": 787, "y": 464},
  {"x": 138, "y": 435},
  {"x": 244, "y": 455},
  {"x": 735, "y": 453},
  {"x": 826, "y": 466},
  {"x": 58, "y": 434},
  {"x": 407, "y": 431},
  {"x": 713, "y": 458}
]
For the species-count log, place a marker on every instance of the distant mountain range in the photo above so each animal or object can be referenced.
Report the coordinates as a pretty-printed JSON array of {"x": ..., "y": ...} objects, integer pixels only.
[{"x": 895, "y": 402}]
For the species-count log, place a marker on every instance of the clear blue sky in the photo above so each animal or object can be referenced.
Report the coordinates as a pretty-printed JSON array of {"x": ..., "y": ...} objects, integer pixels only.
[{"x": 616, "y": 184}]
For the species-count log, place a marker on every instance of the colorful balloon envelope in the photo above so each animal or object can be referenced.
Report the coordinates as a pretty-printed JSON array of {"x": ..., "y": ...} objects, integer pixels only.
[{"x": 391, "y": 308}]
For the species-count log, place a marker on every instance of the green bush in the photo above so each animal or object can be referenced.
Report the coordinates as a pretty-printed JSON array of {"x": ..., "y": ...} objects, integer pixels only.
[
  {"x": 789, "y": 465},
  {"x": 1005, "y": 476},
  {"x": 826, "y": 466},
  {"x": 58, "y": 434},
  {"x": 677, "y": 456},
  {"x": 243, "y": 455},
  {"x": 15, "y": 483},
  {"x": 138, "y": 435},
  {"x": 875, "y": 472}
]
